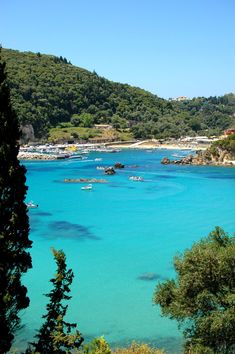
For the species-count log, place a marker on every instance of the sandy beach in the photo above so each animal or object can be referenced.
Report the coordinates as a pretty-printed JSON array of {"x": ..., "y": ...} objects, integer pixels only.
[{"x": 152, "y": 144}]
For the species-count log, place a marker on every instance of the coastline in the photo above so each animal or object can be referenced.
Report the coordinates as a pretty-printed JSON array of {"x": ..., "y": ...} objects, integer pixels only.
[{"x": 143, "y": 145}]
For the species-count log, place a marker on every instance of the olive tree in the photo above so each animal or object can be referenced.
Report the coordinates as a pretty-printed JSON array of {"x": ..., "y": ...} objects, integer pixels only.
[{"x": 202, "y": 297}]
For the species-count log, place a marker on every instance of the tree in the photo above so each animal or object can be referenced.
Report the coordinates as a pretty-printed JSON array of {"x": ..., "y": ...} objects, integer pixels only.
[
  {"x": 195, "y": 124},
  {"x": 138, "y": 348},
  {"x": 14, "y": 223},
  {"x": 55, "y": 334},
  {"x": 118, "y": 122},
  {"x": 97, "y": 346},
  {"x": 202, "y": 298},
  {"x": 75, "y": 120},
  {"x": 86, "y": 120}
]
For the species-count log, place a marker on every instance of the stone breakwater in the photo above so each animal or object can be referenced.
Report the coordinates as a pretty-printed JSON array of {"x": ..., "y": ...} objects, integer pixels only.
[{"x": 38, "y": 156}]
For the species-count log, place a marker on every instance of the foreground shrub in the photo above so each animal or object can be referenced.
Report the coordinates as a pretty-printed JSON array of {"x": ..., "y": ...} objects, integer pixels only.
[{"x": 138, "y": 348}]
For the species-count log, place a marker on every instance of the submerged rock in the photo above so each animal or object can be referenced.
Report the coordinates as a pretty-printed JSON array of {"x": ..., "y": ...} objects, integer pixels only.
[
  {"x": 149, "y": 276},
  {"x": 84, "y": 180}
]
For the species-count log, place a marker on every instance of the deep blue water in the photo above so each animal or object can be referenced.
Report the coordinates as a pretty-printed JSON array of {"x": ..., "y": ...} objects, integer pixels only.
[{"x": 116, "y": 234}]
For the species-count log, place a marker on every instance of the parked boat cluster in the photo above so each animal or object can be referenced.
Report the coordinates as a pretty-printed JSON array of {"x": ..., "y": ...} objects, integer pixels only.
[{"x": 60, "y": 151}]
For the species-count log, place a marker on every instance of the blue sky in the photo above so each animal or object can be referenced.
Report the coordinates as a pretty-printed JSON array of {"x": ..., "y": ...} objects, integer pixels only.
[{"x": 168, "y": 47}]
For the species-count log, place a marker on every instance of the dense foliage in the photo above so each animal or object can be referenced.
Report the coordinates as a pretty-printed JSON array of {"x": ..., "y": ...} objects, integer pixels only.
[
  {"x": 202, "y": 298},
  {"x": 100, "y": 346},
  {"x": 138, "y": 348},
  {"x": 227, "y": 144},
  {"x": 47, "y": 90},
  {"x": 55, "y": 334},
  {"x": 14, "y": 224}
]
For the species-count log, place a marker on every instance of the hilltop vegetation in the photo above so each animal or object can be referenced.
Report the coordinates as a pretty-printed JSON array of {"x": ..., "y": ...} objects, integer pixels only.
[
  {"x": 227, "y": 144},
  {"x": 221, "y": 152},
  {"x": 48, "y": 90}
]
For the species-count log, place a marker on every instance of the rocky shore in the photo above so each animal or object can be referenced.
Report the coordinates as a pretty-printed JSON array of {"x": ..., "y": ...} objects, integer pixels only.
[
  {"x": 213, "y": 157},
  {"x": 38, "y": 156}
]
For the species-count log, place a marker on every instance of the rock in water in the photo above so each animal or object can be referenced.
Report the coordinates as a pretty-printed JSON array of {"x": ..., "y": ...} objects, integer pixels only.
[
  {"x": 165, "y": 161},
  {"x": 119, "y": 165},
  {"x": 109, "y": 171}
]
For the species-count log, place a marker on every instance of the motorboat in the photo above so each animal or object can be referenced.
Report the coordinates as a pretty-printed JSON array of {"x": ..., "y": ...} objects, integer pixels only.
[
  {"x": 87, "y": 187},
  {"x": 98, "y": 159},
  {"x": 179, "y": 156},
  {"x": 31, "y": 205},
  {"x": 75, "y": 156},
  {"x": 136, "y": 178}
]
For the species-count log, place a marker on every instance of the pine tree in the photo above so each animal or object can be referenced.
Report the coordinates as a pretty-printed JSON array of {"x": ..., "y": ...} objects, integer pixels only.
[
  {"x": 55, "y": 334},
  {"x": 14, "y": 224}
]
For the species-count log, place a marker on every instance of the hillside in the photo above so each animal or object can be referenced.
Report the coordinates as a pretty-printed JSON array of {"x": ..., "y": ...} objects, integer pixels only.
[{"x": 48, "y": 90}]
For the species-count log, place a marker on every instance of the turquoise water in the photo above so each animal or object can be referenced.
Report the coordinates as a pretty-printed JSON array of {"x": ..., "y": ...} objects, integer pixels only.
[{"x": 115, "y": 234}]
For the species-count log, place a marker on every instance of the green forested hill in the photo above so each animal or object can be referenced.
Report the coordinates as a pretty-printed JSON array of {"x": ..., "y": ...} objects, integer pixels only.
[{"x": 48, "y": 90}]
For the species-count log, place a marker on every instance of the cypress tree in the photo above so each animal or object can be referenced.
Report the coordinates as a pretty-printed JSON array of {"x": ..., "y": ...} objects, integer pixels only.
[
  {"x": 55, "y": 334},
  {"x": 14, "y": 223}
]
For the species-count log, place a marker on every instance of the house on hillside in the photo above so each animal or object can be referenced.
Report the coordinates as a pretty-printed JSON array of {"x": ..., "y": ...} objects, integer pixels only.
[
  {"x": 179, "y": 99},
  {"x": 103, "y": 126},
  {"x": 229, "y": 131}
]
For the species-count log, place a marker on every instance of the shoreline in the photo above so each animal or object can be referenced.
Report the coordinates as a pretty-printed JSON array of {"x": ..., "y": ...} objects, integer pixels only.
[
  {"x": 153, "y": 145},
  {"x": 140, "y": 145}
]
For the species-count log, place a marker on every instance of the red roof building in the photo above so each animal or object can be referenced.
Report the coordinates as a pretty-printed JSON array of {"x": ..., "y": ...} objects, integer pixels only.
[{"x": 229, "y": 131}]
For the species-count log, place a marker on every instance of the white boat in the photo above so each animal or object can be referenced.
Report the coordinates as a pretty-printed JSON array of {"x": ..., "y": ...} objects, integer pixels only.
[
  {"x": 31, "y": 205},
  {"x": 87, "y": 187},
  {"x": 136, "y": 178},
  {"x": 75, "y": 156},
  {"x": 98, "y": 159},
  {"x": 179, "y": 156}
]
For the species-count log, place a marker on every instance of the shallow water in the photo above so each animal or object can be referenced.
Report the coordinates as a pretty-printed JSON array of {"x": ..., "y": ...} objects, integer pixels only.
[{"x": 118, "y": 233}]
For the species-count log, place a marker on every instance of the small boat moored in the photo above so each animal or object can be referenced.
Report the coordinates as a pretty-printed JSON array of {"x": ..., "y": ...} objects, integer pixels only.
[
  {"x": 31, "y": 205},
  {"x": 88, "y": 187},
  {"x": 136, "y": 178},
  {"x": 75, "y": 156}
]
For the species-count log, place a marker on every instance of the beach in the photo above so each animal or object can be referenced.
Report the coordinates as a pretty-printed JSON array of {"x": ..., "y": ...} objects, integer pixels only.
[
  {"x": 61, "y": 151},
  {"x": 155, "y": 144}
]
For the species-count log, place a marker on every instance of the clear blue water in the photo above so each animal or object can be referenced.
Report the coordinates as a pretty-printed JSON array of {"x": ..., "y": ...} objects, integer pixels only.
[{"x": 115, "y": 234}]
